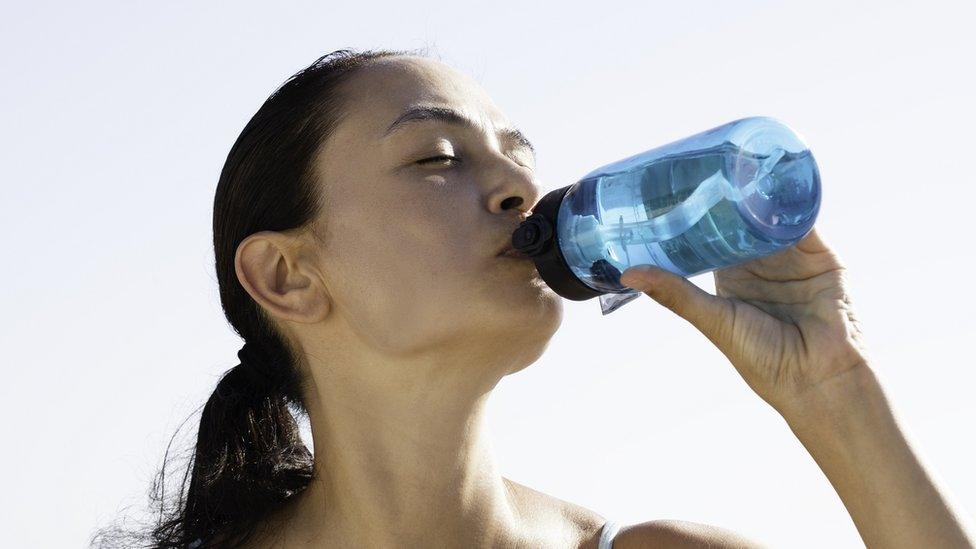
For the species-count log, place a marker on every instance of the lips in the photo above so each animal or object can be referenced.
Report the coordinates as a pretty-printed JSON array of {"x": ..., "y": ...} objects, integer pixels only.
[
  {"x": 507, "y": 246},
  {"x": 513, "y": 253}
]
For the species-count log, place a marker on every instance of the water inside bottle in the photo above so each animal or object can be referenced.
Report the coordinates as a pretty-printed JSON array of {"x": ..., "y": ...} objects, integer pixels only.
[{"x": 693, "y": 211}]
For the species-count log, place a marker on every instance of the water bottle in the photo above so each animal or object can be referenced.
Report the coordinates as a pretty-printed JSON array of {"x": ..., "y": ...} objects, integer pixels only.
[{"x": 742, "y": 190}]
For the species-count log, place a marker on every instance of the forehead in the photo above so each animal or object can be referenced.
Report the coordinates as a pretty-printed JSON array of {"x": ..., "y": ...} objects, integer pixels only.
[{"x": 385, "y": 88}]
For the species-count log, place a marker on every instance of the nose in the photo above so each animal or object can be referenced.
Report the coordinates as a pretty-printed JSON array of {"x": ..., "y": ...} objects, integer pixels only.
[{"x": 515, "y": 187}]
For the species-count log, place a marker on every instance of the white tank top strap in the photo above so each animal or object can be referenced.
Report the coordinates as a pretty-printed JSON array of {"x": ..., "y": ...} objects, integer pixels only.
[{"x": 610, "y": 529}]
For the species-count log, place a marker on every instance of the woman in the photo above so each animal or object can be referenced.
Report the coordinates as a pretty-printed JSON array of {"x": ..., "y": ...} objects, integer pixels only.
[{"x": 358, "y": 226}]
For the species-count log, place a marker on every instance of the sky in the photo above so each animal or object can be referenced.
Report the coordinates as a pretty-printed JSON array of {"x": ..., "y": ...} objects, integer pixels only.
[{"x": 117, "y": 117}]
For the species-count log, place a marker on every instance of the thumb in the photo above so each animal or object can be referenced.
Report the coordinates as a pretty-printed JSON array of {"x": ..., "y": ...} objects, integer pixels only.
[{"x": 710, "y": 314}]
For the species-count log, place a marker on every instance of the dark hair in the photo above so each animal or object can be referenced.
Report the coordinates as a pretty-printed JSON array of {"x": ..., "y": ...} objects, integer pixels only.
[{"x": 249, "y": 457}]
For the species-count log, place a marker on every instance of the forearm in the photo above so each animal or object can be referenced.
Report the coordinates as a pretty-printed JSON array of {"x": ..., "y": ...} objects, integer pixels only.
[{"x": 852, "y": 433}]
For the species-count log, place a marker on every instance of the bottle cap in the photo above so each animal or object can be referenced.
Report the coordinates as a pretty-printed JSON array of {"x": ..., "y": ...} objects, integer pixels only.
[{"x": 536, "y": 237}]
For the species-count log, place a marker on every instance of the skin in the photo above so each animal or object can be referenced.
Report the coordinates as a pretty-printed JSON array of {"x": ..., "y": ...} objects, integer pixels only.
[{"x": 408, "y": 319}]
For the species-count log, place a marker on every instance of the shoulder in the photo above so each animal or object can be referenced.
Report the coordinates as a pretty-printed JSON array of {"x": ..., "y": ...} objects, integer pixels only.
[
  {"x": 559, "y": 523},
  {"x": 581, "y": 527},
  {"x": 681, "y": 534}
]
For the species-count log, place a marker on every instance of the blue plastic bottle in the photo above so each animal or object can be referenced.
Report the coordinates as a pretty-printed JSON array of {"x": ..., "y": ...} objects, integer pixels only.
[{"x": 743, "y": 190}]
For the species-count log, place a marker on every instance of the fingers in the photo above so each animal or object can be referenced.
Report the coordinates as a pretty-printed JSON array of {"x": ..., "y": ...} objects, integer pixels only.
[
  {"x": 711, "y": 315},
  {"x": 815, "y": 247},
  {"x": 812, "y": 242}
]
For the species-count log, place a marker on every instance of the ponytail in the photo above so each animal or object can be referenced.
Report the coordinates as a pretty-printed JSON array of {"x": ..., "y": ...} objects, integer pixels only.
[{"x": 250, "y": 457}]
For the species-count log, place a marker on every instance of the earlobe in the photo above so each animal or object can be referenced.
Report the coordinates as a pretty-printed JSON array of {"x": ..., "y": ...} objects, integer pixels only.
[{"x": 269, "y": 270}]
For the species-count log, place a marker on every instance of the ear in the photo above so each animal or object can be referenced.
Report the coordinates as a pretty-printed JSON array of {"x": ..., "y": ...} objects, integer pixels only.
[{"x": 279, "y": 274}]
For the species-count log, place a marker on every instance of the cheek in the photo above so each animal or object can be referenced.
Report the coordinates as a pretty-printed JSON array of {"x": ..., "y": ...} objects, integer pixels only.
[
  {"x": 399, "y": 304},
  {"x": 400, "y": 271}
]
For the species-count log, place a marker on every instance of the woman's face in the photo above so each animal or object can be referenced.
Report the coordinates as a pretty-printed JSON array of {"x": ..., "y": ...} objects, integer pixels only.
[{"x": 409, "y": 254}]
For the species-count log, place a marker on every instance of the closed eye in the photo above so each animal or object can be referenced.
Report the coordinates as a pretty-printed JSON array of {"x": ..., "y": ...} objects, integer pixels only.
[
  {"x": 438, "y": 158},
  {"x": 452, "y": 159}
]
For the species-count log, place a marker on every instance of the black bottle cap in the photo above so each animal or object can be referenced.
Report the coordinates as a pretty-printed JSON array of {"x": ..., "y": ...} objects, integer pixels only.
[{"x": 536, "y": 237}]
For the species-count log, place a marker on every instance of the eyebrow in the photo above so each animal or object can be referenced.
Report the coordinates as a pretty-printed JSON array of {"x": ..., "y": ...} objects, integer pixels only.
[{"x": 451, "y": 116}]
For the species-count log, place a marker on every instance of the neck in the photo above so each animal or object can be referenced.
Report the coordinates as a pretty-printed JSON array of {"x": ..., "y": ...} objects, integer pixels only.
[{"x": 402, "y": 457}]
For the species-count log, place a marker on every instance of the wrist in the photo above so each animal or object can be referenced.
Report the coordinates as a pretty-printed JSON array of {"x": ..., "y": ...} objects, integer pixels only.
[
  {"x": 853, "y": 434},
  {"x": 848, "y": 397}
]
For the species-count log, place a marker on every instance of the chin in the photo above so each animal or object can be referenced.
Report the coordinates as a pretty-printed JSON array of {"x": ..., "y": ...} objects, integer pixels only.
[
  {"x": 531, "y": 352},
  {"x": 538, "y": 316}
]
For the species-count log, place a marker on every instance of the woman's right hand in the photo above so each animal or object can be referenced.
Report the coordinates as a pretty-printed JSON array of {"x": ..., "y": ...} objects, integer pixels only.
[{"x": 784, "y": 321}]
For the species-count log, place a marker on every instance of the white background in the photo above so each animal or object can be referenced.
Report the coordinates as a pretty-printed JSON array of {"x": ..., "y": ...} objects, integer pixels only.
[{"x": 116, "y": 119}]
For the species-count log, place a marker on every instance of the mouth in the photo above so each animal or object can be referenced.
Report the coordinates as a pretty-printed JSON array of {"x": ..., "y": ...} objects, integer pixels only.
[{"x": 511, "y": 253}]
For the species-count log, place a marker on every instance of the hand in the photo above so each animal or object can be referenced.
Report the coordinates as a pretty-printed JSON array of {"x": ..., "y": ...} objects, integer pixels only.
[{"x": 784, "y": 321}]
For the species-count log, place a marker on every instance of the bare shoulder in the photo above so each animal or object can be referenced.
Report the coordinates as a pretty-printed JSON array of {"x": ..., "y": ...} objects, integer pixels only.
[
  {"x": 681, "y": 534},
  {"x": 581, "y": 527},
  {"x": 560, "y": 523}
]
